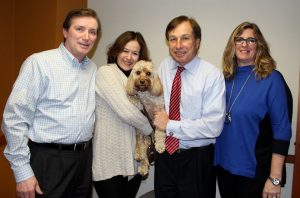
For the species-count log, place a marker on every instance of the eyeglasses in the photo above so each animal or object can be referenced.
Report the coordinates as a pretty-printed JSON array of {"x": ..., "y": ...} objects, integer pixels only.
[{"x": 249, "y": 41}]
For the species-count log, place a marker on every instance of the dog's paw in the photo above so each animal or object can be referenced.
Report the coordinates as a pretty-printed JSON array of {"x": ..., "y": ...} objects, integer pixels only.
[
  {"x": 160, "y": 148},
  {"x": 160, "y": 137},
  {"x": 137, "y": 157},
  {"x": 144, "y": 167},
  {"x": 143, "y": 170}
]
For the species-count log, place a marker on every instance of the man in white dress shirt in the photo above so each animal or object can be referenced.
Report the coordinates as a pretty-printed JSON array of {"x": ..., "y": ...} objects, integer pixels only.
[{"x": 189, "y": 171}]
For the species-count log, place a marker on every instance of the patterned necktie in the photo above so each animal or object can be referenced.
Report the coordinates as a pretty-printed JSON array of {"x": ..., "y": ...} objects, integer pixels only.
[{"x": 172, "y": 143}]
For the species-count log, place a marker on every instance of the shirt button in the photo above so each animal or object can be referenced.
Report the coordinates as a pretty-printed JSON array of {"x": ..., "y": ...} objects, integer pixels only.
[{"x": 171, "y": 134}]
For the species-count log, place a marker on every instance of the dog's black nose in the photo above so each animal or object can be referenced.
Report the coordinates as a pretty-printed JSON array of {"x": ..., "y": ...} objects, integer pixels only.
[{"x": 142, "y": 81}]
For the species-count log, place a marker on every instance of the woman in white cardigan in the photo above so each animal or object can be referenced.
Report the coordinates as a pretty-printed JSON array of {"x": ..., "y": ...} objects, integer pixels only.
[{"x": 114, "y": 166}]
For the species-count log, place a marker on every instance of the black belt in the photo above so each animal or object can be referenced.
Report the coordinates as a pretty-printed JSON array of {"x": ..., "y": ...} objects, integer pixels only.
[
  {"x": 64, "y": 147},
  {"x": 180, "y": 150}
]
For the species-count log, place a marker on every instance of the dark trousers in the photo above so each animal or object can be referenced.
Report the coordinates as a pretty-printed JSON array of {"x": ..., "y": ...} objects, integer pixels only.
[
  {"x": 235, "y": 186},
  {"x": 118, "y": 187},
  {"x": 189, "y": 173},
  {"x": 62, "y": 173}
]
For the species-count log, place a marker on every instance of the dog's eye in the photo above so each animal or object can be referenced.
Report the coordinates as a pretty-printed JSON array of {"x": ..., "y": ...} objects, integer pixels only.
[
  {"x": 148, "y": 73},
  {"x": 138, "y": 72}
]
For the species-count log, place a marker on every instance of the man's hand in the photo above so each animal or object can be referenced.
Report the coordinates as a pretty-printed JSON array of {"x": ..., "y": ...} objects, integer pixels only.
[
  {"x": 161, "y": 119},
  {"x": 28, "y": 187}
]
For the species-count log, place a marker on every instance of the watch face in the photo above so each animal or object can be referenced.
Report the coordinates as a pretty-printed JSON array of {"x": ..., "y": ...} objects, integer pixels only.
[{"x": 276, "y": 181}]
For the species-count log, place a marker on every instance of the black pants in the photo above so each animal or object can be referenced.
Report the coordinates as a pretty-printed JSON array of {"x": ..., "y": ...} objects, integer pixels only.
[
  {"x": 188, "y": 173},
  {"x": 62, "y": 173},
  {"x": 235, "y": 186},
  {"x": 118, "y": 187}
]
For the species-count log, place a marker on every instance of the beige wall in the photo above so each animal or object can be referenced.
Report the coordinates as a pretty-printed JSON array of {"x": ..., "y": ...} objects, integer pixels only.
[{"x": 278, "y": 20}]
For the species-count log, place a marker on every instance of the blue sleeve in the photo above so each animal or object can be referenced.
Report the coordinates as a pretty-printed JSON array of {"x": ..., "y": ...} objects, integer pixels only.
[{"x": 279, "y": 113}]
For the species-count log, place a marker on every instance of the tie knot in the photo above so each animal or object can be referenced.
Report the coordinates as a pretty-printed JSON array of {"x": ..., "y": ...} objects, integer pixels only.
[{"x": 180, "y": 69}]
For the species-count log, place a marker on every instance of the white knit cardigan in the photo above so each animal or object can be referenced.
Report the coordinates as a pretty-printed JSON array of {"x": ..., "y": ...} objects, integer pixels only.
[{"x": 116, "y": 119}]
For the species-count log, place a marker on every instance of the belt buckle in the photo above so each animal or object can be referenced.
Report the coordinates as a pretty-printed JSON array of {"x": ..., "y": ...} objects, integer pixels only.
[
  {"x": 179, "y": 150},
  {"x": 80, "y": 148},
  {"x": 74, "y": 148}
]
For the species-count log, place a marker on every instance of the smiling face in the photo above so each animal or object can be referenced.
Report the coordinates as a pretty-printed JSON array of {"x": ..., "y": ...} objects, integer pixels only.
[
  {"x": 81, "y": 36},
  {"x": 129, "y": 56},
  {"x": 183, "y": 46},
  {"x": 245, "y": 52}
]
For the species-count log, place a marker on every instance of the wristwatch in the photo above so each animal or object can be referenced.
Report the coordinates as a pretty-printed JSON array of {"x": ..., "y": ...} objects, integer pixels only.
[{"x": 275, "y": 181}]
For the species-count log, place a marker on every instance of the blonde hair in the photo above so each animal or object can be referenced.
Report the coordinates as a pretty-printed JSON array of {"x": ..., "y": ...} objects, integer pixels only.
[{"x": 264, "y": 63}]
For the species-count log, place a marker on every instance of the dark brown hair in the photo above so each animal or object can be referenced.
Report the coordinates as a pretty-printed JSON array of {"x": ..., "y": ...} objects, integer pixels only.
[
  {"x": 117, "y": 47},
  {"x": 87, "y": 12},
  {"x": 180, "y": 19}
]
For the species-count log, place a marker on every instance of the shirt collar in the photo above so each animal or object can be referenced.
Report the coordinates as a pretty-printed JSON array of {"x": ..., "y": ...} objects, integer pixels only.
[
  {"x": 191, "y": 66},
  {"x": 74, "y": 61}
]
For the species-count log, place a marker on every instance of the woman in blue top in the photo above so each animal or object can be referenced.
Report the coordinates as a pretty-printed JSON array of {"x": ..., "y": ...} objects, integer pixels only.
[{"x": 251, "y": 150}]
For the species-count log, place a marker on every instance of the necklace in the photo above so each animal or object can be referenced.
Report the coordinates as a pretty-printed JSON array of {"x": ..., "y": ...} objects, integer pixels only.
[{"x": 228, "y": 117}]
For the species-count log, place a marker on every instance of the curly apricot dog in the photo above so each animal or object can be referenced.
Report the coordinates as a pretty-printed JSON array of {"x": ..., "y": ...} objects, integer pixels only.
[{"x": 144, "y": 88}]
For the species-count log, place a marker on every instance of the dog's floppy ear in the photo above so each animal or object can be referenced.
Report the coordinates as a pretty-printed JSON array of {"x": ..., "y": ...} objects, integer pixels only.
[
  {"x": 130, "y": 85},
  {"x": 157, "y": 88}
]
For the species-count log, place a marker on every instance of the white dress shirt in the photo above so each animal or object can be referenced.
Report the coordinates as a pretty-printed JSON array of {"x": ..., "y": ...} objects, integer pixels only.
[{"x": 202, "y": 105}]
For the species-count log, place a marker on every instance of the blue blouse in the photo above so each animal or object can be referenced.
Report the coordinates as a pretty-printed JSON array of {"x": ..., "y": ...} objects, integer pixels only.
[{"x": 237, "y": 146}]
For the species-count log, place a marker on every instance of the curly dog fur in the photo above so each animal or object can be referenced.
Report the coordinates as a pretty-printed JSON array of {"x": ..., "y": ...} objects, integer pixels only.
[{"x": 144, "y": 89}]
